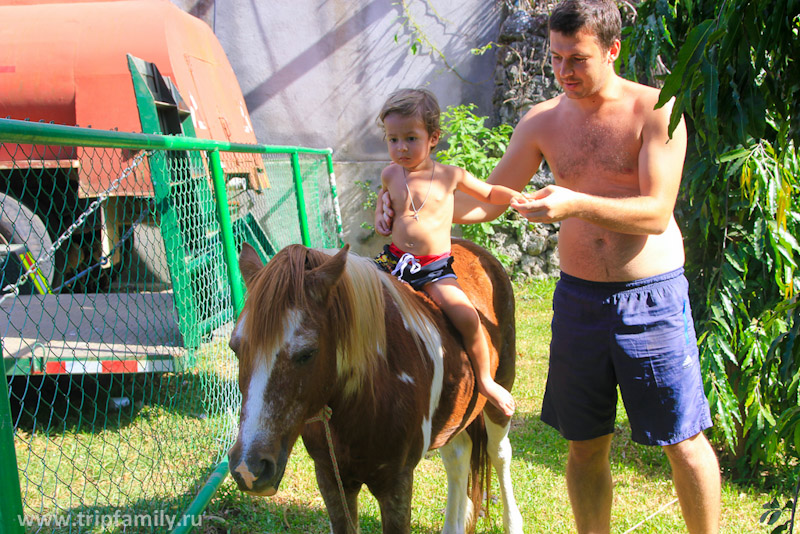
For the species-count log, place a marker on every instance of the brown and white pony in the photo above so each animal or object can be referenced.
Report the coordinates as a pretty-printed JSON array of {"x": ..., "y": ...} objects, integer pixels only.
[{"x": 321, "y": 330}]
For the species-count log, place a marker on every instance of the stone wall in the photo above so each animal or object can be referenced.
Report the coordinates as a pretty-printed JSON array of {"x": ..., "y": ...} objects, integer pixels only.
[{"x": 523, "y": 78}]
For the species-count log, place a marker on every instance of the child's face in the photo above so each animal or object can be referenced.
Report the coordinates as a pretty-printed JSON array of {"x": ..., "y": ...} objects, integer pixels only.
[{"x": 408, "y": 140}]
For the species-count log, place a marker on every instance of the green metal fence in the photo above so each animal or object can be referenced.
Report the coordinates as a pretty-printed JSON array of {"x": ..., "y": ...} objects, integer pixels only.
[{"x": 119, "y": 287}]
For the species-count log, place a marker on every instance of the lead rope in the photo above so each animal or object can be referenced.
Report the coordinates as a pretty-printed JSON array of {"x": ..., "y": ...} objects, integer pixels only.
[
  {"x": 325, "y": 416},
  {"x": 651, "y": 516}
]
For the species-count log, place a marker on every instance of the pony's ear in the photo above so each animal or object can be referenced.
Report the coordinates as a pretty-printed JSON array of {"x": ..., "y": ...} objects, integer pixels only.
[
  {"x": 249, "y": 262},
  {"x": 322, "y": 279}
]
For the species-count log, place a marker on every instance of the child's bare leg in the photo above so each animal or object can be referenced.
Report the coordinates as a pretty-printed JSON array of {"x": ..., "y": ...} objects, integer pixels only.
[{"x": 458, "y": 308}]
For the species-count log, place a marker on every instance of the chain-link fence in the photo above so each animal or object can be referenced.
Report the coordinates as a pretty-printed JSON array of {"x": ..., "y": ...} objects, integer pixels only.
[{"x": 119, "y": 289}]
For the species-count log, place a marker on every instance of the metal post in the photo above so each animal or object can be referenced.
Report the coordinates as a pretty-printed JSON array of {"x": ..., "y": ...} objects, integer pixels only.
[
  {"x": 301, "y": 199},
  {"x": 337, "y": 212},
  {"x": 226, "y": 231},
  {"x": 11, "y": 502}
]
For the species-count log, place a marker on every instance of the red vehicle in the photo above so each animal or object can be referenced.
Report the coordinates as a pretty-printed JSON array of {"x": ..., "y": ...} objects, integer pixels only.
[{"x": 135, "y": 66}]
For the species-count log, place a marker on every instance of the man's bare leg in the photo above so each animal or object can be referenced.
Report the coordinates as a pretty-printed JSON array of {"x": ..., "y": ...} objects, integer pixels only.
[
  {"x": 695, "y": 472},
  {"x": 589, "y": 484}
]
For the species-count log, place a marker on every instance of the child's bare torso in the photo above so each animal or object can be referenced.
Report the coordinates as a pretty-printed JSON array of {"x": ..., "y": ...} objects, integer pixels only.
[{"x": 425, "y": 231}]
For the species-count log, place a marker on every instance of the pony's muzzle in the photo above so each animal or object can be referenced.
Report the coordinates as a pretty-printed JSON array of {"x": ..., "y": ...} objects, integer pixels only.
[{"x": 257, "y": 473}]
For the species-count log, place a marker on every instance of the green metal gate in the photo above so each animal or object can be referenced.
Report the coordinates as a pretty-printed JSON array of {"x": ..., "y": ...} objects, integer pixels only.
[{"x": 122, "y": 395}]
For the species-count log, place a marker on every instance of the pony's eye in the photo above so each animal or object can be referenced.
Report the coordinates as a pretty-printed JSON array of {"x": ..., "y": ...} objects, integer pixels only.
[{"x": 304, "y": 357}]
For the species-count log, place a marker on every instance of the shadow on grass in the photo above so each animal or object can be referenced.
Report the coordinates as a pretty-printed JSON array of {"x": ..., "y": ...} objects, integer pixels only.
[
  {"x": 60, "y": 404},
  {"x": 234, "y": 512},
  {"x": 142, "y": 515},
  {"x": 536, "y": 443},
  {"x": 230, "y": 512}
]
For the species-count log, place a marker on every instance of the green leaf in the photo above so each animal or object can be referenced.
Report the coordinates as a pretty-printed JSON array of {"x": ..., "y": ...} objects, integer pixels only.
[
  {"x": 735, "y": 154},
  {"x": 774, "y": 516},
  {"x": 734, "y": 261},
  {"x": 727, "y": 351},
  {"x": 731, "y": 279},
  {"x": 710, "y": 92},
  {"x": 787, "y": 238},
  {"x": 797, "y": 438},
  {"x": 688, "y": 59},
  {"x": 726, "y": 304},
  {"x": 741, "y": 116},
  {"x": 768, "y": 416}
]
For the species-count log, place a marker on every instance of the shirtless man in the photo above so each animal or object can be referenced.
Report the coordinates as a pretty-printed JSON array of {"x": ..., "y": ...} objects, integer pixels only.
[{"x": 621, "y": 309}]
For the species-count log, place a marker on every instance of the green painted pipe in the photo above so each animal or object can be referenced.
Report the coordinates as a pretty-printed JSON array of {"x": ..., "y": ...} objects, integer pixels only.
[
  {"x": 192, "y": 517},
  {"x": 11, "y": 502},
  {"x": 301, "y": 200},
  {"x": 226, "y": 234},
  {"x": 40, "y": 133}
]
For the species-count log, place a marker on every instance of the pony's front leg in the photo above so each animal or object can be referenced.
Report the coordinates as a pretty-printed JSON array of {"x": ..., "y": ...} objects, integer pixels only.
[
  {"x": 456, "y": 459},
  {"x": 394, "y": 499},
  {"x": 335, "y": 502},
  {"x": 499, "y": 449}
]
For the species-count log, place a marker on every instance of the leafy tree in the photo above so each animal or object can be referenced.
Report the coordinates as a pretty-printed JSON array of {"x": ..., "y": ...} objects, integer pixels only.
[
  {"x": 731, "y": 66},
  {"x": 477, "y": 148}
]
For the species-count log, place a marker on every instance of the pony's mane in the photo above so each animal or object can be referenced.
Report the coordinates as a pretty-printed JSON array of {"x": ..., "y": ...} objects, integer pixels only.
[{"x": 356, "y": 308}]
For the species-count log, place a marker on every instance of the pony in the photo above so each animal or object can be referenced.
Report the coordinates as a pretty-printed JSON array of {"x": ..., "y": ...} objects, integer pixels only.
[{"x": 372, "y": 376}]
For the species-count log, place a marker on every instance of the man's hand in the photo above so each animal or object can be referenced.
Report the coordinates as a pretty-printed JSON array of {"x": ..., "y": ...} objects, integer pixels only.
[
  {"x": 548, "y": 205},
  {"x": 383, "y": 214}
]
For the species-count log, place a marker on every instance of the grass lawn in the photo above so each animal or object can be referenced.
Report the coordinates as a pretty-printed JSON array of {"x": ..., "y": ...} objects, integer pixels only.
[{"x": 644, "y": 498}]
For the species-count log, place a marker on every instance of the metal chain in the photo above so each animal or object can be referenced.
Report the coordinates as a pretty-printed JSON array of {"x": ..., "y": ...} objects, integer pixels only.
[
  {"x": 13, "y": 289},
  {"x": 105, "y": 259}
]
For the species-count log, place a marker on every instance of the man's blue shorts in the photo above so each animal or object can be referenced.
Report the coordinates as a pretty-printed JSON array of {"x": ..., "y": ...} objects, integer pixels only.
[{"x": 638, "y": 335}]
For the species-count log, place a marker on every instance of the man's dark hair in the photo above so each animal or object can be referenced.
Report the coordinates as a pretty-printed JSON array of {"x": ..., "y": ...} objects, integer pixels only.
[{"x": 601, "y": 17}]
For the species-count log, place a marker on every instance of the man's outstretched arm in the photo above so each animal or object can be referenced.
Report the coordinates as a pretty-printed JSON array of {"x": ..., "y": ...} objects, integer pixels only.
[{"x": 383, "y": 213}]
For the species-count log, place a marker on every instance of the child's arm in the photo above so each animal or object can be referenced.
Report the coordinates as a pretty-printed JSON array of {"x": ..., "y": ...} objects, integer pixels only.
[{"x": 493, "y": 194}]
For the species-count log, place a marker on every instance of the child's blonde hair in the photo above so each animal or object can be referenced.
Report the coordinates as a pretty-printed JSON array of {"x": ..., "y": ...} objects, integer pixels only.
[{"x": 411, "y": 102}]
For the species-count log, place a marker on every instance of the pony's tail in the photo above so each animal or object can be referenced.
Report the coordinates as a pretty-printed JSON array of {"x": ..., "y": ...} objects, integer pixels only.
[{"x": 480, "y": 473}]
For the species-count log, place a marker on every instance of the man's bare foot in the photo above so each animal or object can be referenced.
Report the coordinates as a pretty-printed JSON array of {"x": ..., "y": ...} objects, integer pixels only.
[{"x": 499, "y": 396}]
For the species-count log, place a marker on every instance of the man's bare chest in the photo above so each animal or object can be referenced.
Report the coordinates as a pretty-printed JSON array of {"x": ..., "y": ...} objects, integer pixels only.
[{"x": 583, "y": 152}]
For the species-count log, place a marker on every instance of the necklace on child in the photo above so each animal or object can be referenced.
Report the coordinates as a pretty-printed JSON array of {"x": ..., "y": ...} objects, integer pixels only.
[{"x": 430, "y": 183}]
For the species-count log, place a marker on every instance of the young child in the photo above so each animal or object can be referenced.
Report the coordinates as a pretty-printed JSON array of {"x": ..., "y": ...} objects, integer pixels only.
[{"x": 422, "y": 196}]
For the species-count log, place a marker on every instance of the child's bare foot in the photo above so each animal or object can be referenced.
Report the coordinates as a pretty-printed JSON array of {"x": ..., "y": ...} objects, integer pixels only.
[{"x": 499, "y": 396}]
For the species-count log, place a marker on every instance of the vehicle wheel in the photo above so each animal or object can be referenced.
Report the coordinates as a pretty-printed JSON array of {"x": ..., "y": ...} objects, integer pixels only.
[{"x": 20, "y": 225}]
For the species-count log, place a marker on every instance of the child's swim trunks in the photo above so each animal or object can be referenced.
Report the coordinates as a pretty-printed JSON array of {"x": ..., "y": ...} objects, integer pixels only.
[{"x": 416, "y": 270}]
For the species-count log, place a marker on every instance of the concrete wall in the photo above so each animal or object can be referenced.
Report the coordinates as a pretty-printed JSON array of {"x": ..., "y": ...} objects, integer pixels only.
[{"x": 316, "y": 72}]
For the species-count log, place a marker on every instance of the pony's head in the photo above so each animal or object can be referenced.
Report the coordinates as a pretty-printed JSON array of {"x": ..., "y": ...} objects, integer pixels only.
[{"x": 302, "y": 337}]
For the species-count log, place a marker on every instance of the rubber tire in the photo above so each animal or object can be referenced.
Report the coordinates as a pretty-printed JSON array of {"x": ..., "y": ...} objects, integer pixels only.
[{"x": 20, "y": 225}]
